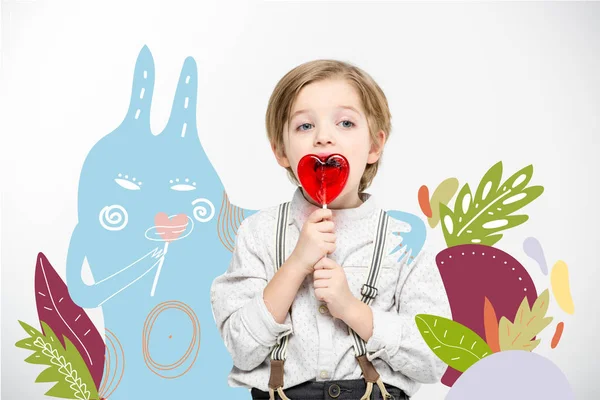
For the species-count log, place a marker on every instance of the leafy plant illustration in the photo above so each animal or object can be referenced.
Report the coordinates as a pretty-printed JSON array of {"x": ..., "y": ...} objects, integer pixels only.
[
  {"x": 489, "y": 290},
  {"x": 66, "y": 366},
  {"x": 490, "y": 322},
  {"x": 56, "y": 308},
  {"x": 479, "y": 218},
  {"x": 443, "y": 194},
  {"x": 528, "y": 323},
  {"x": 460, "y": 347},
  {"x": 454, "y": 343}
]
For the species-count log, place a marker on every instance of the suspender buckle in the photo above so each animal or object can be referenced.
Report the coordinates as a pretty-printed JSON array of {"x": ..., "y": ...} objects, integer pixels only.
[{"x": 369, "y": 291}]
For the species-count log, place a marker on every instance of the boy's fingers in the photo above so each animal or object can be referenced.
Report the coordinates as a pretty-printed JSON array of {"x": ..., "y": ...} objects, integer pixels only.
[
  {"x": 325, "y": 226},
  {"x": 325, "y": 263},
  {"x": 321, "y": 283},
  {"x": 321, "y": 274},
  {"x": 321, "y": 264},
  {"x": 329, "y": 237},
  {"x": 318, "y": 264},
  {"x": 330, "y": 247},
  {"x": 319, "y": 215}
]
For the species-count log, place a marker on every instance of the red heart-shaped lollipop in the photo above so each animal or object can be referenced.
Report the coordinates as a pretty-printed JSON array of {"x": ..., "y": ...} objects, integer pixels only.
[{"x": 323, "y": 178}]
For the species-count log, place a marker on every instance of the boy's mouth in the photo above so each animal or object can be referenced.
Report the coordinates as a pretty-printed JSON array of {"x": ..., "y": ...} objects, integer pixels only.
[{"x": 321, "y": 155}]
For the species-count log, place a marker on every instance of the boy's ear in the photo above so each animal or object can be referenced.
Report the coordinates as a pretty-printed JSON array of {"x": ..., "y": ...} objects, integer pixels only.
[
  {"x": 377, "y": 147},
  {"x": 281, "y": 158}
]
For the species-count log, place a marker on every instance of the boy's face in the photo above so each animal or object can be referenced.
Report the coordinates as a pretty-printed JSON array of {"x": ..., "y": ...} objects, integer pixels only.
[{"x": 328, "y": 117}]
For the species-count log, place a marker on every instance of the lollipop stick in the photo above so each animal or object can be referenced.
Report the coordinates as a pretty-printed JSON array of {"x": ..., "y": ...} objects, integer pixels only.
[
  {"x": 325, "y": 208},
  {"x": 162, "y": 261}
]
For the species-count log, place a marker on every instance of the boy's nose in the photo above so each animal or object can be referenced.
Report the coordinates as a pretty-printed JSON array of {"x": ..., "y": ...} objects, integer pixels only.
[{"x": 323, "y": 137}]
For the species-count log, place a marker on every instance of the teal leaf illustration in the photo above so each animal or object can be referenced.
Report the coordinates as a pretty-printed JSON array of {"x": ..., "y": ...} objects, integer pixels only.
[
  {"x": 66, "y": 367},
  {"x": 480, "y": 217},
  {"x": 454, "y": 343}
]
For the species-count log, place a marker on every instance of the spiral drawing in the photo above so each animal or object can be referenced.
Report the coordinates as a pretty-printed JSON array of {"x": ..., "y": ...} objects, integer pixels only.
[
  {"x": 113, "y": 218},
  {"x": 200, "y": 211}
]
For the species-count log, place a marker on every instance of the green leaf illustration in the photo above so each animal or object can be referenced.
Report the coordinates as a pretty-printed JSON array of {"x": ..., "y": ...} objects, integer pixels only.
[
  {"x": 443, "y": 194},
  {"x": 66, "y": 366},
  {"x": 528, "y": 323},
  {"x": 454, "y": 343},
  {"x": 479, "y": 218}
]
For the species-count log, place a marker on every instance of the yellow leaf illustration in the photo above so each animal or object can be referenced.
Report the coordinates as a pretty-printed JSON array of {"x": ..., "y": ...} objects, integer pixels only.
[{"x": 528, "y": 323}]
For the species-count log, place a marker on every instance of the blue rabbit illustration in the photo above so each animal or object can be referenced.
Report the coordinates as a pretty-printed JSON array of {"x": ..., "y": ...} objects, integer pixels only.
[
  {"x": 412, "y": 241},
  {"x": 155, "y": 227}
]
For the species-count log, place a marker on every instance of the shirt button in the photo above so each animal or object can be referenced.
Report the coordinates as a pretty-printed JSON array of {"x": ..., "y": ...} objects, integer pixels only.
[
  {"x": 323, "y": 309},
  {"x": 324, "y": 374}
]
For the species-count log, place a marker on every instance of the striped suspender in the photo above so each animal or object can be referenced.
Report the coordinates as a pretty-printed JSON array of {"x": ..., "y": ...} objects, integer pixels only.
[
  {"x": 368, "y": 292},
  {"x": 369, "y": 289},
  {"x": 278, "y": 352}
]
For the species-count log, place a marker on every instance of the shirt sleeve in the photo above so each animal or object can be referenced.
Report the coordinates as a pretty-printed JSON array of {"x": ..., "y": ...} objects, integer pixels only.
[
  {"x": 247, "y": 327},
  {"x": 396, "y": 338}
]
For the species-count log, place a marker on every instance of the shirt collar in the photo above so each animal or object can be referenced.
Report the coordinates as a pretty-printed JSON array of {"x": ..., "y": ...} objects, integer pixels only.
[{"x": 301, "y": 208}]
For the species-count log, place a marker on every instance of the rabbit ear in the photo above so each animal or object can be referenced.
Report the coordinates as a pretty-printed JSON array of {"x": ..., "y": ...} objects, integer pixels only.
[
  {"x": 182, "y": 121},
  {"x": 141, "y": 93}
]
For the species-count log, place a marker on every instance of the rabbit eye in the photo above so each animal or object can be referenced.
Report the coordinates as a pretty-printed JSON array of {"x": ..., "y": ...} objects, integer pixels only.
[
  {"x": 183, "y": 186},
  {"x": 129, "y": 184}
]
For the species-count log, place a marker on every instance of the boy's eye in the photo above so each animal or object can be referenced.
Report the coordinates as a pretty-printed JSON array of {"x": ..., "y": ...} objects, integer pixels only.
[
  {"x": 306, "y": 125},
  {"x": 347, "y": 124}
]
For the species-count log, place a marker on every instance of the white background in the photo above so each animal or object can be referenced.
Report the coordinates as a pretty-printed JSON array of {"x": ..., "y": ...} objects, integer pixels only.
[{"x": 468, "y": 85}]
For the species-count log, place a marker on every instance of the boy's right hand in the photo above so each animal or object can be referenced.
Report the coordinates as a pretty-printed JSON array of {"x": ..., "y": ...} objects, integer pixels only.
[{"x": 317, "y": 239}]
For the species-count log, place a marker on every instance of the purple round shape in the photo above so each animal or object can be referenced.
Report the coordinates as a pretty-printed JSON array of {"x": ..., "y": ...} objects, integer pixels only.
[
  {"x": 512, "y": 374},
  {"x": 533, "y": 248}
]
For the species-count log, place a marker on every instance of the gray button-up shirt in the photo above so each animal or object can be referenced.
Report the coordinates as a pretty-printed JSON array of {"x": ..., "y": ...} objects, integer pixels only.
[{"x": 320, "y": 347}]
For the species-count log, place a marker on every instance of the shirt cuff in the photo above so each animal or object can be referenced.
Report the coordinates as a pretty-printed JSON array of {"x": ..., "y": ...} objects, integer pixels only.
[
  {"x": 387, "y": 328},
  {"x": 261, "y": 324}
]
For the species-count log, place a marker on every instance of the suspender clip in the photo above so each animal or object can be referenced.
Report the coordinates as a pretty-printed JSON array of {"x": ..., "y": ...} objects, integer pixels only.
[{"x": 369, "y": 291}]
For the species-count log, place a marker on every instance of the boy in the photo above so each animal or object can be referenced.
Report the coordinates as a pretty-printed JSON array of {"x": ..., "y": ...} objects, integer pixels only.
[{"x": 292, "y": 292}]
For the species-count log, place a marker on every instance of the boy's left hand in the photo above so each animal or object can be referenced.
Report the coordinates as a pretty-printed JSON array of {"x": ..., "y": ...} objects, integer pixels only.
[{"x": 331, "y": 287}]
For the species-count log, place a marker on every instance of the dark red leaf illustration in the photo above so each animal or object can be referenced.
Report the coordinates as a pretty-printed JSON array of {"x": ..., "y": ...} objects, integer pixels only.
[
  {"x": 64, "y": 317},
  {"x": 472, "y": 272}
]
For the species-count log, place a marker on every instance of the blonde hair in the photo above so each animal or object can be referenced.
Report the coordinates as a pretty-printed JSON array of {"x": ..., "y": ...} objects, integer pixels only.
[{"x": 285, "y": 93}]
